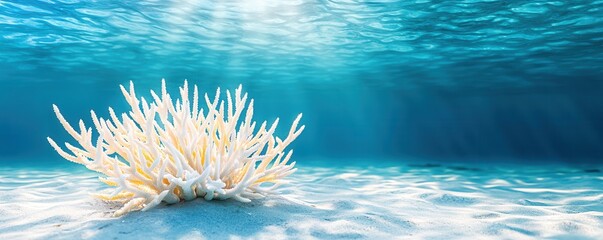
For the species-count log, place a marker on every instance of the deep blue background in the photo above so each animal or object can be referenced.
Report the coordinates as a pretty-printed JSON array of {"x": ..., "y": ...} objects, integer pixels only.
[{"x": 460, "y": 81}]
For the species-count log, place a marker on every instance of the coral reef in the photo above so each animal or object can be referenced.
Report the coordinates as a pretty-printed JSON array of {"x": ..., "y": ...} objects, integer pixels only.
[{"x": 165, "y": 152}]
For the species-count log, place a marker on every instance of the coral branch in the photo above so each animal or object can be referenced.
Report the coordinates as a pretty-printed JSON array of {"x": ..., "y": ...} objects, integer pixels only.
[{"x": 165, "y": 152}]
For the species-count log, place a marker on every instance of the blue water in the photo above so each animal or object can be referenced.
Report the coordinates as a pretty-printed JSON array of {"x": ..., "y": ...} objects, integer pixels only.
[
  {"x": 425, "y": 119},
  {"x": 447, "y": 80}
]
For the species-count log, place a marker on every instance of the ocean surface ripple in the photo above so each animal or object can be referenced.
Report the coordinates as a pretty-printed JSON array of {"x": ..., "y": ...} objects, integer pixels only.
[{"x": 465, "y": 44}]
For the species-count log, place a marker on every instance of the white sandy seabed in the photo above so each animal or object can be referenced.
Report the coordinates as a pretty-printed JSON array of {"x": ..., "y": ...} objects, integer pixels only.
[{"x": 396, "y": 201}]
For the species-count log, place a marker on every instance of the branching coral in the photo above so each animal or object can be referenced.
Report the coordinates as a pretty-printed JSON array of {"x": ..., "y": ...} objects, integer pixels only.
[{"x": 161, "y": 152}]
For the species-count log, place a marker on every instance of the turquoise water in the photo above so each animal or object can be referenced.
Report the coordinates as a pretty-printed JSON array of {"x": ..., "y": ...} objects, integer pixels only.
[
  {"x": 465, "y": 80},
  {"x": 424, "y": 119}
]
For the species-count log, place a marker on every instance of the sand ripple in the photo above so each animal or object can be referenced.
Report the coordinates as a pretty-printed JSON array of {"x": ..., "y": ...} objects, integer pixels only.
[{"x": 325, "y": 202}]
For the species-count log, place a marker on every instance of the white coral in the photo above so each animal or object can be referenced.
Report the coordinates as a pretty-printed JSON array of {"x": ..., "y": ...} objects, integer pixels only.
[{"x": 161, "y": 152}]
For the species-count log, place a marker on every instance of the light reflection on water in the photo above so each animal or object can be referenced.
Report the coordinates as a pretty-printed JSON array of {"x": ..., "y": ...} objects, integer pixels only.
[
  {"x": 466, "y": 80},
  {"x": 469, "y": 44}
]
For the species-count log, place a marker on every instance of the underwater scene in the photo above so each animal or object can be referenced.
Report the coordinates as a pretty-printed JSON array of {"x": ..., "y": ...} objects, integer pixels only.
[{"x": 301, "y": 119}]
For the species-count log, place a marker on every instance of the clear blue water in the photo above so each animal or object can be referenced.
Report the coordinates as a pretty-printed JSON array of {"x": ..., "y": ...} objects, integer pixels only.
[
  {"x": 467, "y": 119},
  {"x": 455, "y": 80}
]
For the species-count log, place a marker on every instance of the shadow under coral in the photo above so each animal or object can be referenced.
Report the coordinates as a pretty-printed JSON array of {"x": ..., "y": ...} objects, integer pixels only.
[{"x": 200, "y": 219}]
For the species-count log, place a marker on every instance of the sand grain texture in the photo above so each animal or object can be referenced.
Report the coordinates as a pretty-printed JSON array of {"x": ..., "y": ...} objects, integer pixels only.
[{"x": 422, "y": 201}]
